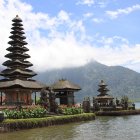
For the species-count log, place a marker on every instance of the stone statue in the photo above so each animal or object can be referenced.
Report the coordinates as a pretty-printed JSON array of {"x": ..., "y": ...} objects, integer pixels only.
[
  {"x": 44, "y": 98},
  {"x": 117, "y": 102},
  {"x": 133, "y": 106},
  {"x": 53, "y": 104},
  {"x": 48, "y": 99}
]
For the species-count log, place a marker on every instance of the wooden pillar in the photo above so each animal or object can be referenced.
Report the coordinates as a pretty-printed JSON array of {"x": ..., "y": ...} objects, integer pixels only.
[
  {"x": 67, "y": 96},
  {"x": 73, "y": 98},
  {"x": 70, "y": 97},
  {"x": 27, "y": 101},
  {"x": 1, "y": 99},
  {"x": 61, "y": 101},
  {"x": 17, "y": 96},
  {"x": 35, "y": 98},
  {"x": 63, "y": 98}
]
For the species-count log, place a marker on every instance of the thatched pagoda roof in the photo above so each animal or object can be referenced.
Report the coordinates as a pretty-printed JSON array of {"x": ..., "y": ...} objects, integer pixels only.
[
  {"x": 64, "y": 85},
  {"x": 17, "y": 54},
  {"x": 15, "y": 71},
  {"x": 103, "y": 92},
  {"x": 105, "y": 97},
  {"x": 17, "y": 62},
  {"x": 103, "y": 89},
  {"x": 25, "y": 84},
  {"x": 17, "y": 19},
  {"x": 12, "y": 49},
  {"x": 17, "y": 75},
  {"x": 102, "y": 83}
]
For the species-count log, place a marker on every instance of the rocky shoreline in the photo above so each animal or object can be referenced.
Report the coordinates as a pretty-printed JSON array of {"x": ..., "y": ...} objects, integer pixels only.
[{"x": 118, "y": 113}]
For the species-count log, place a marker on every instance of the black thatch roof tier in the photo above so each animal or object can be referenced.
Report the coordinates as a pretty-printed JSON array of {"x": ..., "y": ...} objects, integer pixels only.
[
  {"x": 105, "y": 97},
  {"x": 17, "y": 36},
  {"x": 12, "y": 72},
  {"x": 17, "y": 24},
  {"x": 101, "y": 84},
  {"x": 17, "y": 48},
  {"x": 17, "y": 28},
  {"x": 63, "y": 85},
  {"x": 17, "y": 55},
  {"x": 25, "y": 84},
  {"x": 103, "y": 89},
  {"x": 17, "y": 19},
  {"x": 17, "y": 63},
  {"x": 17, "y": 31},
  {"x": 17, "y": 42}
]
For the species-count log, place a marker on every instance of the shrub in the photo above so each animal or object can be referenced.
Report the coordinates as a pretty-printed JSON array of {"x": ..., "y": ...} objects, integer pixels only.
[
  {"x": 36, "y": 112},
  {"x": 70, "y": 110}
]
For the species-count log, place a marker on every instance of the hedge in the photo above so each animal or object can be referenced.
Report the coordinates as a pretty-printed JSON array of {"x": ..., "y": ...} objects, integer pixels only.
[{"x": 18, "y": 124}]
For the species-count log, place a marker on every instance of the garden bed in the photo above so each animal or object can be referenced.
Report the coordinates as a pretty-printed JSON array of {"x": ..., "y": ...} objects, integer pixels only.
[
  {"x": 19, "y": 124},
  {"x": 118, "y": 113}
]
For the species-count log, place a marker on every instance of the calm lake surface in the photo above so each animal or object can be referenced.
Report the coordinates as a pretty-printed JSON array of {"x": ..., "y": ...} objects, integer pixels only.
[{"x": 103, "y": 128}]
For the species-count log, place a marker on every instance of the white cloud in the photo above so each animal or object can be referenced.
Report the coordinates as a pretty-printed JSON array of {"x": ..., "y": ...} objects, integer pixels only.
[
  {"x": 54, "y": 49},
  {"x": 115, "y": 40},
  {"x": 103, "y": 3},
  {"x": 68, "y": 52},
  {"x": 117, "y": 56},
  {"x": 97, "y": 20},
  {"x": 63, "y": 15},
  {"x": 62, "y": 52},
  {"x": 98, "y": 3},
  {"x": 134, "y": 66},
  {"x": 86, "y": 2},
  {"x": 61, "y": 41},
  {"x": 125, "y": 11},
  {"x": 88, "y": 15}
]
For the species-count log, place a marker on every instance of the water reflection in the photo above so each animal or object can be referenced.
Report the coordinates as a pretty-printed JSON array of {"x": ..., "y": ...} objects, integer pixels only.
[{"x": 103, "y": 128}]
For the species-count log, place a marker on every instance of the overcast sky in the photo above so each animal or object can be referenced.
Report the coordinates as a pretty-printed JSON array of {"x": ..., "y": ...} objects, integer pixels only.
[{"x": 69, "y": 33}]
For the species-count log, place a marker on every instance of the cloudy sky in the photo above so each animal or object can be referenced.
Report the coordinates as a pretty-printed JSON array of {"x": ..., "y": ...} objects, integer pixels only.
[{"x": 69, "y": 33}]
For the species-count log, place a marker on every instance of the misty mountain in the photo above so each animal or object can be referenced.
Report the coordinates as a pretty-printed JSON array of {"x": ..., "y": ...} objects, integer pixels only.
[{"x": 120, "y": 80}]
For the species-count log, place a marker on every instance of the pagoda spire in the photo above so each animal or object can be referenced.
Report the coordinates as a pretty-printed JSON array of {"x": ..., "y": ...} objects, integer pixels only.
[
  {"x": 102, "y": 88},
  {"x": 17, "y": 65}
]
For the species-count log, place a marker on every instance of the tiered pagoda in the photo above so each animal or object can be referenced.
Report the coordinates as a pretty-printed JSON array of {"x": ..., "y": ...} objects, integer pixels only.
[
  {"x": 64, "y": 90},
  {"x": 103, "y": 98},
  {"x": 17, "y": 83}
]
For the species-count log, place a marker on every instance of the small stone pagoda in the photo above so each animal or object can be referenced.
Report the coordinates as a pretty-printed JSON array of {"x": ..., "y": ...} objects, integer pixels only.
[
  {"x": 17, "y": 84},
  {"x": 64, "y": 90},
  {"x": 104, "y": 99}
]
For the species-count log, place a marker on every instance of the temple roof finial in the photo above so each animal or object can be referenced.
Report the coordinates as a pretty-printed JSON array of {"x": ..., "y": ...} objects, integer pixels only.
[{"x": 102, "y": 81}]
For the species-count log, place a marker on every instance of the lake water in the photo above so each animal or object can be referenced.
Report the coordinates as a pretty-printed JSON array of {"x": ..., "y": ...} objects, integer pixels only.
[
  {"x": 137, "y": 105},
  {"x": 103, "y": 128}
]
